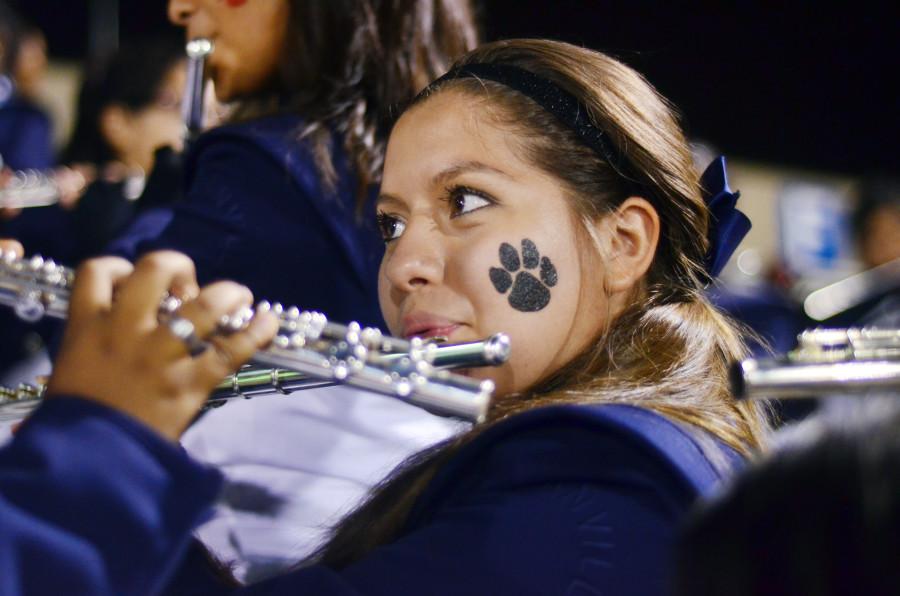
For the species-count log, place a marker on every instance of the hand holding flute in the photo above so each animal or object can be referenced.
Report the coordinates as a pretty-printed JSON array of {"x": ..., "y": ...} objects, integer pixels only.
[{"x": 119, "y": 354}]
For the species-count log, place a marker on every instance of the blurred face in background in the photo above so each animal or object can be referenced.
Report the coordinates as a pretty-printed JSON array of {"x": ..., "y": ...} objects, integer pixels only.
[
  {"x": 880, "y": 242},
  {"x": 248, "y": 35},
  {"x": 31, "y": 63},
  {"x": 135, "y": 134}
]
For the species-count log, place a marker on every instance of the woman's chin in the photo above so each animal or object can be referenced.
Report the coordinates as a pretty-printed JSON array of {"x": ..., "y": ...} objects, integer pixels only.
[{"x": 494, "y": 374}]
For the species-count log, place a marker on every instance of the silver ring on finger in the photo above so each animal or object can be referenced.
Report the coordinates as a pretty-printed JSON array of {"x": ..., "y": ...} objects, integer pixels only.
[{"x": 185, "y": 331}]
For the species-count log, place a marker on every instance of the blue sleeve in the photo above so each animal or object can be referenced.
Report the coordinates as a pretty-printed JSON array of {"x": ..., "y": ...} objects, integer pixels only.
[{"x": 92, "y": 502}]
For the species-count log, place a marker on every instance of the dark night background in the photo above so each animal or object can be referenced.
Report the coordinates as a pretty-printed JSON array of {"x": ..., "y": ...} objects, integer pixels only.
[{"x": 810, "y": 84}]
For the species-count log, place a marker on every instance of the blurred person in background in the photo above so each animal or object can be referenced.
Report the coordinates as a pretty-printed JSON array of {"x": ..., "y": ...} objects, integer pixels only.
[
  {"x": 25, "y": 130},
  {"x": 876, "y": 222},
  {"x": 129, "y": 113},
  {"x": 25, "y": 143},
  {"x": 876, "y": 227},
  {"x": 819, "y": 517}
]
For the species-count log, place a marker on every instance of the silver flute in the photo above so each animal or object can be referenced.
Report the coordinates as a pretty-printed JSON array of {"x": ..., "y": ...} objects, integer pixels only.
[
  {"x": 324, "y": 352},
  {"x": 197, "y": 50},
  {"x": 851, "y": 361},
  {"x": 29, "y": 188}
]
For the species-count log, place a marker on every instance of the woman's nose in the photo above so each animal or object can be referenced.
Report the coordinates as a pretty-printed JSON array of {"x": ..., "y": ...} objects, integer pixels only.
[{"x": 415, "y": 260}]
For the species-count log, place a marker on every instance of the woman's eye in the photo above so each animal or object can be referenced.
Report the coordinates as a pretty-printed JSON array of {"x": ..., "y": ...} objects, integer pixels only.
[
  {"x": 464, "y": 201},
  {"x": 390, "y": 227}
]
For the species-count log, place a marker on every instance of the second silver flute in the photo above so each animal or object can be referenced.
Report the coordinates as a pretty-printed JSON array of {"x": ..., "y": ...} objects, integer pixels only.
[
  {"x": 197, "y": 51},
  {"x": 852, "y": 361}
]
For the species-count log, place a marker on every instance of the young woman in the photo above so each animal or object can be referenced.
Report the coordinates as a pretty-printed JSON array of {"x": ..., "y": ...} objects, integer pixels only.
[{"x": 539, "y": 189}]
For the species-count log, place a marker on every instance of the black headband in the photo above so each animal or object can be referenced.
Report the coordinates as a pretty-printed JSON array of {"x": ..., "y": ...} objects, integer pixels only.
[{"x": 550, "y": 96}]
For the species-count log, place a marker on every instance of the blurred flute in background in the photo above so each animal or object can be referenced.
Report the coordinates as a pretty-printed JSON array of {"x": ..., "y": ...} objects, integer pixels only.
[{"x": 826, "y": 362}]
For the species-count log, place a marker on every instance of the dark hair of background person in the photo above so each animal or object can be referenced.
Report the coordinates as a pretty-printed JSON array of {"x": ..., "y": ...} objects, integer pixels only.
[
  {"x": 131, "y": 78},
  {"x": 818, "y": 520},
  {"x": 347, "y": 63},
  {"x": 876, "y": 220},
  {"x": 12, "y": 28},
  {"x": 875, "y": 192}
]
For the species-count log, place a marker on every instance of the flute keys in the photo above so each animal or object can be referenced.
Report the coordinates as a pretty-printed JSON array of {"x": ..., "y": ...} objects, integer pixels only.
[
  {"x": 54, "y": 274},
  {"x": 169, "y": 305},
  {"x": 236, "y": 321},
  {"x": 30, "y": 307},
  {"x": 340, "y": 370}
]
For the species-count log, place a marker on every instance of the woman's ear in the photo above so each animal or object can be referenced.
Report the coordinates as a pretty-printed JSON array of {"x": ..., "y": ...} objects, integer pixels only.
[{"x": 631, "y": 234}]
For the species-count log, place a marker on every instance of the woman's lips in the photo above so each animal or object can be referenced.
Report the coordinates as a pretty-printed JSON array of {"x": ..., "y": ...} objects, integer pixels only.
[
  {"x": 429, "y": 332},
  {"x": 426, "y": 325}
]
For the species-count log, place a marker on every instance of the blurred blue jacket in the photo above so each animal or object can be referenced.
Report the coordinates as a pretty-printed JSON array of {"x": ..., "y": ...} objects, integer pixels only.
[
  {"x": 25, "y": 134},
  {"x": 256, "y": 211}
]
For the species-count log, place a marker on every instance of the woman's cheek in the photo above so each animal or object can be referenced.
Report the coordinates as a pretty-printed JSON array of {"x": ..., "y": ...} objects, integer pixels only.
[
  {"x": 389, "y": 310},
  {"x": 523, "y": 286},
  {"x": 518, "y": 271}
]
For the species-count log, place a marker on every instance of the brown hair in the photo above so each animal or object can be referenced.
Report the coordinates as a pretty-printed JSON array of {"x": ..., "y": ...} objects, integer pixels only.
[
  {"x": 670, "y": 350},
  {"x": 347, "y": 63}
]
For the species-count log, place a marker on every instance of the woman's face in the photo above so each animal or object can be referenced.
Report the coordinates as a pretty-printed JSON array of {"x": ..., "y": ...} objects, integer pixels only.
[
  {"x": 479, "y": 241},
  {"x": 248, "y": 35},
  {"x": 159, "y": 124}
]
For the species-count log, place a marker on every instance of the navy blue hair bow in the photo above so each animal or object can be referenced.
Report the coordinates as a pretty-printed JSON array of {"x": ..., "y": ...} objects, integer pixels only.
[{"x": 727, "y": 225}]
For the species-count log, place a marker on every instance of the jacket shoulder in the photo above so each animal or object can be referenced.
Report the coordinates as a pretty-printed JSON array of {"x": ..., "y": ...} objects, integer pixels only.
[{"x": 610, "y": 445}]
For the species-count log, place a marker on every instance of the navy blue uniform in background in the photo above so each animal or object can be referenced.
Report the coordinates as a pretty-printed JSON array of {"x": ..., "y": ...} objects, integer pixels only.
[
  {"x": 256, "y": 211},
  {"x": 26, "y": 136}
]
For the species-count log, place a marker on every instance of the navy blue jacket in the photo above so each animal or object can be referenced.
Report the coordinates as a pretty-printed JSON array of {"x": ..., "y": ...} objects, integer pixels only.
[
  {"x": 256, "y": 211},
  {"x": 564, "y": 500},
  {"x": 25, "y": 135}
]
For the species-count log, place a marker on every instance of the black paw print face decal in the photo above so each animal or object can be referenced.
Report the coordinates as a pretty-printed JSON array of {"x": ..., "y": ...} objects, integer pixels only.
[{"x": 529, "y": 294}]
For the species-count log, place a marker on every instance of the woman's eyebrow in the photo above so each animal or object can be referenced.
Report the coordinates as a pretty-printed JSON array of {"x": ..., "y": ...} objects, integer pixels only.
[
  {"x": 464, "y": 167},
  {"x": 387, "y": 198},
  {"x": 445, "y": 175}
]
